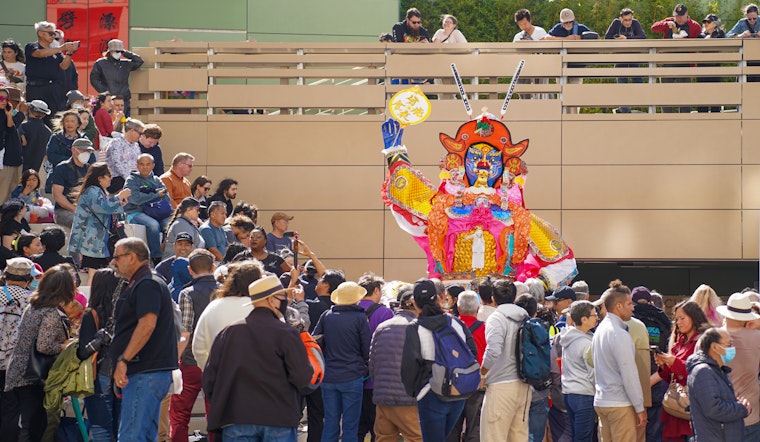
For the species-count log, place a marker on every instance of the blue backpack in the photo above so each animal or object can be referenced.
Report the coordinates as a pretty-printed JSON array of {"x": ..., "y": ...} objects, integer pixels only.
[
  {"x": 532, "y": 354},
  {"x": 456, "y": 372}
]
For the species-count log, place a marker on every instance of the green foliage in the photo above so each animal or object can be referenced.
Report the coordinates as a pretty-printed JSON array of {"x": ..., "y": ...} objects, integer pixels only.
[{"x": 493, "y": 20}]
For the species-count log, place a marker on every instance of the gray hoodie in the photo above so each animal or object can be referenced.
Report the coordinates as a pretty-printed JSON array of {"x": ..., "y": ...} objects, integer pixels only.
[
  {"x": 501, "y": 336},
  {"x": 577, "y": 375}
]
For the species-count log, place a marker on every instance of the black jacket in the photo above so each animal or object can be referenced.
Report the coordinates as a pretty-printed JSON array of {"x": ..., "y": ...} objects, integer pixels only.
[
  {"x": 113, "y": 75},
  {"x": 657, "y": 322},
  {"x": 254, "y": 371}
]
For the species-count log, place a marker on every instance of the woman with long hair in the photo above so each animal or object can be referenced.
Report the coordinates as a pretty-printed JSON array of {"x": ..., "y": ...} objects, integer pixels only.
[
  {"x": 92, "y": 219},
  {"x": 690, "y": 322},
  {"x": 102, "y": 113},
  {"x": 103, "y": 407},
  {"x": 13, "y": 71},
  {"x": 185, "y": 219},
  {"x": 708, "y": 301},
  {"x": 44, "y": 330},
  {"x": 199, "y": 190},
  {"x": 226, "y": 307}
]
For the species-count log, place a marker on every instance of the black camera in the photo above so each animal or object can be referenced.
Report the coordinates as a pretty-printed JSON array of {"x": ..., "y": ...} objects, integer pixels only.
[{"x": 102, "y": 339}]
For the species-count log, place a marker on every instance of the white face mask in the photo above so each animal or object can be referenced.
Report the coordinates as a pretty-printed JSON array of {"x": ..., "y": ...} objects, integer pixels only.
[
  {"x": 55, "y": 44},
  {"x": 84, "y": 157},
  {"x": 116, "y": 55},
  {"x": 77, "y": 106}
]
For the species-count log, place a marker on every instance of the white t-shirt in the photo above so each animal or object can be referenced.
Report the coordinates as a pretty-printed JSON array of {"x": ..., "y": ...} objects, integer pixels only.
[
  {"x": 17, "y": 69},
  {"x": 538, "y": 34},
  {"x": 455, "y": 37}
]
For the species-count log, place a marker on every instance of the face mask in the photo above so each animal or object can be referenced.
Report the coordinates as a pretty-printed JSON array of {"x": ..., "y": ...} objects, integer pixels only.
[
  {"x": 729, "y": 356},
  {"x": 116, "y": 55},
  {"x": 77, "y": 106},
  {"x": 84, "y": 157},
  {"x": 283, "y": 308},
  {"x": 55, "y": 44},
  {"x": 34, "y": 284}
]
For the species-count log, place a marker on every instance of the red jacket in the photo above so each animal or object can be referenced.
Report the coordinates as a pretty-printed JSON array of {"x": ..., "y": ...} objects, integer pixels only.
[
  {"x": 479, "y": 335},
  {"x": 662, "y": 27},
  {"x": 673, "y": 427}
]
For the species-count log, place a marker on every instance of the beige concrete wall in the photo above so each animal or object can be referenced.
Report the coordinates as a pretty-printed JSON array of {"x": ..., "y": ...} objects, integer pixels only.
[{"x": 640, "y": 186}]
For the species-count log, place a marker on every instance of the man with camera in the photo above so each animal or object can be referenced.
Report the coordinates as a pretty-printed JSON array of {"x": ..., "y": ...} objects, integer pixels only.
[{"x": 45, "y": 66}]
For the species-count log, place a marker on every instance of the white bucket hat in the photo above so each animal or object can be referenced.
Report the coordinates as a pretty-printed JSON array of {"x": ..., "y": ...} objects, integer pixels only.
[{"x": 739, "y": 308}]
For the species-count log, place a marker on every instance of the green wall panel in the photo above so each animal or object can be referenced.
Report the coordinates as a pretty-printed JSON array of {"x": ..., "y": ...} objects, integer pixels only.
[
  {"x": 188, "y": 14},
  {"x": 306, "y": 20},
  {"x": 142, "y": 38},
  {"x": 18, "y": 17}
]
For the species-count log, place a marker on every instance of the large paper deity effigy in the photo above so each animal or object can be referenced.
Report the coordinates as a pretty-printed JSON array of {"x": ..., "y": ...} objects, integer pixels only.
[{"x": 475, "y": 222}]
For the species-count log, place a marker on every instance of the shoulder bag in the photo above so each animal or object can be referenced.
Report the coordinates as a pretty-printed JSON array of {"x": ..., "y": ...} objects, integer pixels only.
[
  {"x": 39, "y": 364},
  {"x": 676, "y": 400}
]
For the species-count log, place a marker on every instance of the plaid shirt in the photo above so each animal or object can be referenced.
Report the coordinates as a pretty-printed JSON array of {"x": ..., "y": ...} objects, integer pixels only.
[{"x": 188, "y": 313}]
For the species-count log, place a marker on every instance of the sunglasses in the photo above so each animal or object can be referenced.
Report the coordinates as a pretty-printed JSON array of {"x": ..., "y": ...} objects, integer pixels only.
[
  {"x": 416, "y": 22},
  {"x": 206, "y": 188},
  {"x": 50, "y": 33},
  {"x": 3, "y": 98},
  {"x": 752, "y": 19}
]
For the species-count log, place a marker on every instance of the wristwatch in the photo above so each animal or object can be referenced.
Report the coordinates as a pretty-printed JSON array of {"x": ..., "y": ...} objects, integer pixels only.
[{"x": 121, "y": 358}]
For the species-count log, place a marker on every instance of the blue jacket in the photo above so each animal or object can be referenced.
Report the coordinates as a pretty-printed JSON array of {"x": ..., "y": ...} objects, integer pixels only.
[
  {"x": 88, "y": 236},
  {"x": 715, "y": 413},
  {"x": 741, "y": 26},
  {"x": 151, "y": 184},
  {"x": 346, "y": 342}
]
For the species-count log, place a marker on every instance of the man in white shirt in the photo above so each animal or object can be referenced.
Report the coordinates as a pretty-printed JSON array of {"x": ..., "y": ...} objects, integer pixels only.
[{"x": 528, "y": 32}]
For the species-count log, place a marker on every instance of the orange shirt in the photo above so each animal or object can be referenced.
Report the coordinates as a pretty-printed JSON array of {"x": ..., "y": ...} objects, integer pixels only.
[{"x": 178, "y": 187}]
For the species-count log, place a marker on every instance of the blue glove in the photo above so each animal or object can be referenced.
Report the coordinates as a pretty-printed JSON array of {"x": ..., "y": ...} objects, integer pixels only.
[{"x": 392, "y": 133}]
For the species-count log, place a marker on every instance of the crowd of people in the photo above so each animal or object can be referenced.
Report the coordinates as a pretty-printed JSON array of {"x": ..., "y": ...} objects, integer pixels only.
[{"x": 212, "y": 302}]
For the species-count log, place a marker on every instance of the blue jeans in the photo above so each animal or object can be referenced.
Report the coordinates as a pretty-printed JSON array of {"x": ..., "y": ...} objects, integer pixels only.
[
  {"x": 539, "y": 411},
  {"x": 580, "y": 412},
  {"x": 437, "y": 418},
  {"x": 258, "y": 433},
  {"x": 103, "y": 410},
  {"x": 752, "y": 432},
  {"x": 153, "y": 230},
  {"x": 141, "y": 404},
  {"x": 342, "y": 400}
]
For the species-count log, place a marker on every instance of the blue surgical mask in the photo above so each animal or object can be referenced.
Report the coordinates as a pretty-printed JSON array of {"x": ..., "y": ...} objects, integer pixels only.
[
  {"x": 34, "y": 284},
  {"x": 729, "y": 356}
]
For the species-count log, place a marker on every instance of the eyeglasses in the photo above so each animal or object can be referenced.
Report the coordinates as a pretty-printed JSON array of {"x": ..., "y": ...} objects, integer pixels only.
[
  {"x": 188, "y": 165},
  {"x": 752, "y": 18},
  {"x": 139, "y": 132},
  {"x": 2, "y": 98},
  {"x": 117, "y": 256},
  {"x": 417, "y": 22},
  {"x": 206, "y": 188},
  {"x": 50, "y": 33}
]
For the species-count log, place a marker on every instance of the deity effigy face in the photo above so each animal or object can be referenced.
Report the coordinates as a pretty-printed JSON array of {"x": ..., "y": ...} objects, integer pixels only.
[{"x": 483, "y": 152}]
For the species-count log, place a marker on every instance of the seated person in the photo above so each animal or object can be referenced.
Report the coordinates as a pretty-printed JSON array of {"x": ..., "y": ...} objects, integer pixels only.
[
  {"x": 147, "y": 188},
  {"x": 40, "y": 208},
  {"x": 12, "y": 225},
  {"x": 239, "y": 229},
  {"x": 67, "y": 176},
  {"x": 53, "y": 238},
  {"x": 212, "y": 231},
  {"x": 183, "y": 245}
]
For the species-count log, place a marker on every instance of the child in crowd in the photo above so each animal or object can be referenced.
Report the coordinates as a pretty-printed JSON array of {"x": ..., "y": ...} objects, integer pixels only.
[
  {"x": 39, "y": 208},
  {"x": 34, "y": 135}
]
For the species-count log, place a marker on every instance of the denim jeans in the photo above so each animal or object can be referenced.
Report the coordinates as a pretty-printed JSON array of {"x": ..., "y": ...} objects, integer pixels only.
[
  {"x": 580, "y": 412},
  {"x": 437, "y": 418},
  {"x": 103, "y": 410},
  {"x": 342, "y": 401},
  {"x": 141, "y": 404},
  {"x": 153, "y": 230},
  {"x": 752, "y": 432},
  {"x": 539, "y": 412},
  {"x": 258, "y": 433}
]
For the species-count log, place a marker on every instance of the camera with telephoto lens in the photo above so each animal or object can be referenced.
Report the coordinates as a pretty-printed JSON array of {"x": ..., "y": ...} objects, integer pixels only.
[{"x": 102, "y": 338}]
